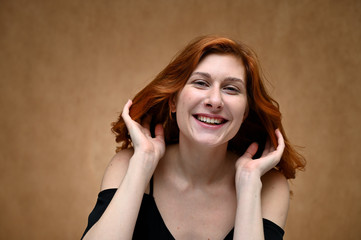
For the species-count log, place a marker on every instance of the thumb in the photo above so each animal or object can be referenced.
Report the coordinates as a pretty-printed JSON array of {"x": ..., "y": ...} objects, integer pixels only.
[
  {"x": 251, "y": 150},
  {"x": 159, "y": 132}
]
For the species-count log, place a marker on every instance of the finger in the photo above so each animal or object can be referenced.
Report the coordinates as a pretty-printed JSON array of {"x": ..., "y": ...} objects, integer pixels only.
[
  {"x": 146, "y": 122},
  {"x": 271, "y": 148},
  {"x": 159, "y": 132},
  {"x": 125, "y": 114},
  {"x": 281, "y": 141},
  {"x": 280, "y": 147},
  {"x": 251, "y": 150},
  {"x": 126, "y": 108},
  {"x": 267, "y": 148}
]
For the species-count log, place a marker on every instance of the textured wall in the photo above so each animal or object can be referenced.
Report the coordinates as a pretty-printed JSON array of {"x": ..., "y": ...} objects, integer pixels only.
[{"x": 68, "y": 66}]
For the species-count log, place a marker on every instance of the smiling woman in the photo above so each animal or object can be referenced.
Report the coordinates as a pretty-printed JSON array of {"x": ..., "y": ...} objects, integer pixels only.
[
  {"x": 203, "y": 154},
  {"x": 215, "y": 92}
]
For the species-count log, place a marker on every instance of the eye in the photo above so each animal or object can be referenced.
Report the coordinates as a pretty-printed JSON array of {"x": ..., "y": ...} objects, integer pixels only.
[
  {"x": 200, "y": 83},
  {"x": 231, "y": 89}
]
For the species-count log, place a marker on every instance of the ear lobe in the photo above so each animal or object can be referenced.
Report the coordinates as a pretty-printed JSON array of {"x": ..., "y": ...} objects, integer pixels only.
[
  {"x": 172, "y": 106},
  {"x": 245, "y": 115}
]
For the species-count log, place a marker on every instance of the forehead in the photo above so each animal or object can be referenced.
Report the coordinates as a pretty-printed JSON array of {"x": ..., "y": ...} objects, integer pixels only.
[{"x": 222, "y": 64}]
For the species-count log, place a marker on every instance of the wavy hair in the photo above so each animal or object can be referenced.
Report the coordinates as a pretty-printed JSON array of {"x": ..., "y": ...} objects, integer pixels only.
[{"x": 263, "y": 111}]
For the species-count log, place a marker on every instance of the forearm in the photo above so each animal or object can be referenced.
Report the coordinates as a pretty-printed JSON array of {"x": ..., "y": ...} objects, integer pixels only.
[
  {"x": 250, "y": 206},
  {"x": 118, "y": 220},
  {"x": 248, "y": 223}
]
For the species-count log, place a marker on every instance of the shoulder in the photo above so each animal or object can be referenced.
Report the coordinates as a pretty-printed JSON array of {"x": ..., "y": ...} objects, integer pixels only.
[
  {"x": 116, "y": 169},
  {"x": 275, "y": 197}
]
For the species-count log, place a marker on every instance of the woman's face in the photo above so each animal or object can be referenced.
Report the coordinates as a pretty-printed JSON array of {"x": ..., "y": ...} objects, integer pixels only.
[{"x": 211, "y": 106}]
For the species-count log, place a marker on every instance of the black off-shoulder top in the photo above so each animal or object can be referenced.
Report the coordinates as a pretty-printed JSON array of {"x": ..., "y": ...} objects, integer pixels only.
[{"x": 150, "y": 224}]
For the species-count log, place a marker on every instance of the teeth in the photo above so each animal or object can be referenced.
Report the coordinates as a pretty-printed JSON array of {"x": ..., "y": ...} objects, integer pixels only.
[{"x": 209, "y": 120}]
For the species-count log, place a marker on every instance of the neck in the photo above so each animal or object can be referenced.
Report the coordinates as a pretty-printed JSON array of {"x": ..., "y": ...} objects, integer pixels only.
[{"x": 202, "y": 165}]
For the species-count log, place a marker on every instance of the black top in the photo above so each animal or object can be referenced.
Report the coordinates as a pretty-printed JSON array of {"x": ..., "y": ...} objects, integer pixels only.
[{"x": 150, "y": 224}]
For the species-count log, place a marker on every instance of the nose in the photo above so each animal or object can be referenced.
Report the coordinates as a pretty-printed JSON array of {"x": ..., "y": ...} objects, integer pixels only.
[{"x": 214, "y": 99}]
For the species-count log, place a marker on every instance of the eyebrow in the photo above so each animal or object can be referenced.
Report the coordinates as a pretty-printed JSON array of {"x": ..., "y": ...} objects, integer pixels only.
[{"x": 207, "y": 75}]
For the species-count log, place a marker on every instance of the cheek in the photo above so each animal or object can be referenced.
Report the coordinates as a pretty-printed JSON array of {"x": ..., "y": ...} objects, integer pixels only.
[
  {"x": 185, "y": 100},
  {"x": 240, "y": 111},
  {"x": 181, "y": 106}
]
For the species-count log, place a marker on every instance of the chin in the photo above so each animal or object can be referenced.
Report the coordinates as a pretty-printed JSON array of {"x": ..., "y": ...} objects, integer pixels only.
[{"x": 210, "y": 141}]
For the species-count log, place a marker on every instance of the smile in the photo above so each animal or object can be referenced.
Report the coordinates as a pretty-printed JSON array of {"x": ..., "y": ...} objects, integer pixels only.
[{"x": 210, "y": 120}]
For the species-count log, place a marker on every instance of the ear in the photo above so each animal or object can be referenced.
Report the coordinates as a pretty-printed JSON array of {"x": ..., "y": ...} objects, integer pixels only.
[
  {"x": 172, "y": 105},
  {"x": 245, "y": 115}
]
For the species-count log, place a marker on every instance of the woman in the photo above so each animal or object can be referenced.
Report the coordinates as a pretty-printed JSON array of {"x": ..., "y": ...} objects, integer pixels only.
[{"x": 203, "y": 154}]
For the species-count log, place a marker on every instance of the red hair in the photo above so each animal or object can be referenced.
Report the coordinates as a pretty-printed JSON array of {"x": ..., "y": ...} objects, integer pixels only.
[{"x": 263, "y": 111}]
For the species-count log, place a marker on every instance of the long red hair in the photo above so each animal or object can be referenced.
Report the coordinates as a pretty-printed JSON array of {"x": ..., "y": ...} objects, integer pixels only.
[{"x": 263, "y": 111}]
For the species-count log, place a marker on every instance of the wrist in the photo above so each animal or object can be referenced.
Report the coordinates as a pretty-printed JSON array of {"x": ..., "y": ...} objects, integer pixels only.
[
  {"x": 135, "y": 179},
  {"x": 142, "y": 165},
  {"x": 248, "y": 184},
  {"x": 248, "y": 175}
]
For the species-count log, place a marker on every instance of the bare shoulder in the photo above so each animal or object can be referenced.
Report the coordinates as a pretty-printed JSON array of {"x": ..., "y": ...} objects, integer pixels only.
[
  {"x": 275, "y": 197},
  {"x": 116, "y": 169}
]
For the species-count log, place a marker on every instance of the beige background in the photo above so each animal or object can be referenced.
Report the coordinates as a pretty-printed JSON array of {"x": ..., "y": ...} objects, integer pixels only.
[{"x": 67, "y": 68}]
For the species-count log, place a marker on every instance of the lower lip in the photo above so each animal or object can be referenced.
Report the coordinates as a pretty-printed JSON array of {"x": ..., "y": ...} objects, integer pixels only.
[{"x": 210, "y": 126}]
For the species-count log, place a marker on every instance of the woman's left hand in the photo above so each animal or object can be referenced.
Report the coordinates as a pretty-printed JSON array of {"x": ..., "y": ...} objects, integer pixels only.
[
  {"x": 251, "y": 207},
  {"x": 246, "y": 166}
]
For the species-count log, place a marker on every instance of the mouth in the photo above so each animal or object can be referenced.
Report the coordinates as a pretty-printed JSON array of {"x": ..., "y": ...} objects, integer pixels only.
[{"x": 210, "y": 120}]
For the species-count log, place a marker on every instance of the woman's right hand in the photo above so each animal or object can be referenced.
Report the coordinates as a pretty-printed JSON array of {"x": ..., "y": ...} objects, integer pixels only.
[
  {"x": 130, "y": 174},
  {"x": 149, "y": 149}
]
